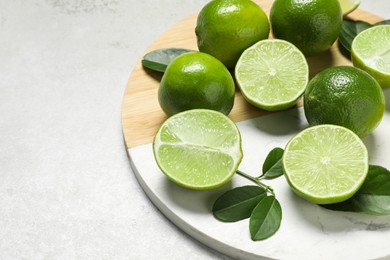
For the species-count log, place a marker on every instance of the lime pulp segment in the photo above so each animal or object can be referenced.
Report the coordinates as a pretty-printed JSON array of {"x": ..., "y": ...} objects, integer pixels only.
[
  {"x": 347, "y": 6},
  {"x": 325, "y": 164},
  {"x": 198, "y": 149},
  {"x": 272, "y": 74}
]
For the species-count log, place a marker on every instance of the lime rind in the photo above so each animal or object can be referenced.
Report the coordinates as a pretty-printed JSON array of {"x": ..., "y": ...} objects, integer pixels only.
[
  {"x": 272, "y": 74},
  {"x": 325, "y": 164},
  {"x": 370, "y": 51},
  {"x": 198, "y": 149}
]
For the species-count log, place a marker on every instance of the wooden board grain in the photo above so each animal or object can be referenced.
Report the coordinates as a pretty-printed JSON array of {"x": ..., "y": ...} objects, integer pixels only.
[{"x": 141, "y": 112}]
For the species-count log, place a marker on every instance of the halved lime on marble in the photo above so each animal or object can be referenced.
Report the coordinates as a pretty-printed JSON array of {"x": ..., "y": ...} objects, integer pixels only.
[
  {"x": 272, "y": 74},
  {"x": 348, "y": 6},
  {"x": 199, "y": 149},
  {"x": 370, "y": 51},
  {"x": 325, "y": 164}
]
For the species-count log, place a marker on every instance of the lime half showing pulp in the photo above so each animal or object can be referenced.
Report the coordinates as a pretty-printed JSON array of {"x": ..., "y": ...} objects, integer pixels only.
[
  {"x": 272, "y": 74},
  {"x": 325, "y": 164},
  {"x": 198, "y": 149},
  {"x": 371, "y": 52},
  {"x": 348, "y": 6}
]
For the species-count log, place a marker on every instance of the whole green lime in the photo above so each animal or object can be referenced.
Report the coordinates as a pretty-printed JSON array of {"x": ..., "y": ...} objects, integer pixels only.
[
  {"x": 196, "y": 80},
  {"x": 311, "y": 25},
  {"x": 345, "y": 96},
  {"x": 225, "y": 28}
]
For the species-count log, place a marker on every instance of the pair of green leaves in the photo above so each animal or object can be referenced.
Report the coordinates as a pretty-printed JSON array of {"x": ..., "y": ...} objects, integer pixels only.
[
  {"x": 264, "y": 211},
  {"x": 350, "y": 29},
  {"x": 254, "y": 202},
  {"x": 372, "y": 198}
]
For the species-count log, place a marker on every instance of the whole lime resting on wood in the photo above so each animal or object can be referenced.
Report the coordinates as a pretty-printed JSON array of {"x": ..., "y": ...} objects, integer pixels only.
[
  {"x": 198, "y": 149},
  {"x": 196, "y": 80},
  {"x": 371, "y": 52},
  {"x": 311, "y": 25},
  {"x": 225, "y": 28},
  {"x": 272, "y": 74},
  {"x": 345, "y": 96},
  {"x": 325, "y": 164}
]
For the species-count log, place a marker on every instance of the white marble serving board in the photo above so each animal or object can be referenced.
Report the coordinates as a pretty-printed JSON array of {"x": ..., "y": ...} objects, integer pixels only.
[{"x": 307, "y": 230}]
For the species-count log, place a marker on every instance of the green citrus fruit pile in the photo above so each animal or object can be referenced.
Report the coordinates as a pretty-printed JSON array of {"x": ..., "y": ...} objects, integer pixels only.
[{"x": 199, "y": 147}]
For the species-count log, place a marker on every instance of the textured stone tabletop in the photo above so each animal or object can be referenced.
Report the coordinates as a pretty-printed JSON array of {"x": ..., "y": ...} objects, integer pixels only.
[{"x": 67, "y": 190}]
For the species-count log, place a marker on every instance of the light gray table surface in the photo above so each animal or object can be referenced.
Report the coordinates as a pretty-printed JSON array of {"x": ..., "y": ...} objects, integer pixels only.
[{"x": 67, "y": 190}]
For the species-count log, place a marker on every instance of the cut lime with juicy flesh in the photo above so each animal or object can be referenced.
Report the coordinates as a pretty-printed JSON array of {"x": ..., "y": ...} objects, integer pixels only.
[
  {"x": 348, "y": 6},
  {"x": 198, "y": 149},
  {"x": 325, "y": 164},
  {"x": 272, "y": 74},
  {"x": 371, "y": 52}
]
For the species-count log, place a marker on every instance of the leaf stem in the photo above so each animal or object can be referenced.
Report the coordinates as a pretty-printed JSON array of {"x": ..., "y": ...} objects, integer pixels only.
[{"x": 257, "y": 181}]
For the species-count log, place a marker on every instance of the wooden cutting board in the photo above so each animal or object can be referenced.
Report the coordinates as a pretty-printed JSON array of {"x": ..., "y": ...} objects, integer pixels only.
[{"x": 141, "y": 112}]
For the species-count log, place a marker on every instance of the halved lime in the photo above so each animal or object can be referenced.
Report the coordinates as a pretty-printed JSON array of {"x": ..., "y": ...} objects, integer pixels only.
[
  {"x": 371, "y": 52},
  {"x": 347, "y": 6},
  {"x": 272, "y": 74},
  {"x": 198, "y": 149},
  {"x": 325, "y": 164}
]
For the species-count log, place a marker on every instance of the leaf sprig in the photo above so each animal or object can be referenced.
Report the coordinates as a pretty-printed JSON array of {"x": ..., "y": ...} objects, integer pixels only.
[{"x": 258, "y": 203}]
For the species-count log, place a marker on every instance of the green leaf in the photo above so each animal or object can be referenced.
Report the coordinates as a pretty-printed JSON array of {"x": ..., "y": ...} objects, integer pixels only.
[
  {"x": 265, "y": 219},
  {"x": 272, "y": 167},
  {"x": 384, "y": 22},
  {"x": 275, "y": 171},
  {"x": 372, "y": 198},
  {"x": 158, "y": 60},
  {"x": 273, "y": 157},
  {"x": 349, "y": 30},
  {"x": 238, "y": 203}
]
